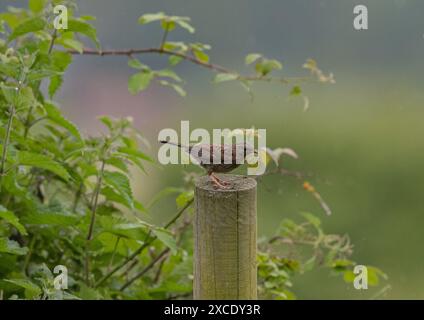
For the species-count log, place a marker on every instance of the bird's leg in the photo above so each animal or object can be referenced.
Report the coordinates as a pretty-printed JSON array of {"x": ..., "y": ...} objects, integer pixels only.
[{"x": 218, "y": 182}]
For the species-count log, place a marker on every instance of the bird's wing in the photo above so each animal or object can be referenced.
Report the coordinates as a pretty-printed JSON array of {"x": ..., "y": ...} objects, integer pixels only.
[{"x": 201, "y": 153}]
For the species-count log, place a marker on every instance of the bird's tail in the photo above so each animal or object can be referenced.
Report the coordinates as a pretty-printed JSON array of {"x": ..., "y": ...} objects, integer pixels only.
[{"x": 172, "y": 143}]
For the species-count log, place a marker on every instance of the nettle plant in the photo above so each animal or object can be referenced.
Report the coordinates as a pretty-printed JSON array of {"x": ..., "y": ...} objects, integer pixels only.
[{"x": 66, "y": 199}]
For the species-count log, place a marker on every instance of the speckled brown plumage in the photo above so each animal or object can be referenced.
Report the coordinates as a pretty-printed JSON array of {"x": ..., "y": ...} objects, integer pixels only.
[{"x": 204, "y": 154}]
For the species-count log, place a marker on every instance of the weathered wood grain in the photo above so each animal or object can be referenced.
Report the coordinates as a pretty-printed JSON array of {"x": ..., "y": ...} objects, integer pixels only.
[{"x": 225, "y": 239}]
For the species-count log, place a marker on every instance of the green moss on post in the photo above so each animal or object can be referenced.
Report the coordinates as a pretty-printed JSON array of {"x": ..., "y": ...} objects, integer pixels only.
[{"x": 225, "y": 239}]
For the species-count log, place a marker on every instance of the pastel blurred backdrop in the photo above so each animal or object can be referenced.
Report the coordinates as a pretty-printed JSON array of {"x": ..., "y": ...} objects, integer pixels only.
[{"x": 361, "y": 138}]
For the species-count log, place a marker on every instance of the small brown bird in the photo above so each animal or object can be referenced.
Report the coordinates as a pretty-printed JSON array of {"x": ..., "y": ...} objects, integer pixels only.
[{"x": 227, "y": 157}]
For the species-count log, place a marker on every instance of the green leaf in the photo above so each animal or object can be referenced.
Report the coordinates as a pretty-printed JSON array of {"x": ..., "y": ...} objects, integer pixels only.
[
  {"x": 266, "y": 66},
  {"x": 121, "y": 184},
  {"x": 54, "y": 115},
  {"x": 133, "y": 159},
  {"x": 135, "y": 153},
  {"x": 54, "y": 85},
  {"x": 174, "y": 86},
  {"x": 348, "y": 276},
  {"x": 201, "y": 56},
  {"x": 61, "y": 60},
  {"x": 26, "y": 98},
  {"x": 167, "y": 22},
  {"x": 168, "y": 286},
  {"x": 288, "y": 225},
  {"x": 200, "y": 46},
  {"x": 82, "y": 27},
  {"x": 26, "y": 158},
  {"x": 139, "y": 206},
  {"x": 121, "y": 228},
  {"x": 284, "y": 295},
  {"x": 27, "y": 26},
  {"x": 71, "y": 44},
  {"x": 316, "y": 222},
  {"x": 88, "y": 18},
  {"x": 114, "y": 196},
  {"x": 118, "y": 163},
  {"x": 136, "y": 64},
  {"x": 12, "y": 19},
  {"x": 374, "y": 275},
  {"x": 185, "y": 25},
  {"x": 174, "y": 60},
  {"x": 296, "y": 91},
  {"x": 107, "y": 121},
  {"x": 87, "y": 293},
  {"x": 12, "y": 247},
  {"x": 10, "y": 70},
  {"x": 41, "y": 74},
  {"x": 50, "y": 218},
  {"x": 32, "y": 291},
  {"x": 250, "y": 58},
  {"x": 151, "y": 17},
  {"x": 166, "y": 238},
  {"x": 166, "y": 73},
  {"x": 139, "y": 81},
  {"x": 221, "y": 77},
  {"x": 175, "y": 45},
  {"x": 341, "y": 264},
  {"x": 274, "y": 64},
  {"x": 11, "y": 218},
  {"x": 184, "y": 198},
  {"x": 9, "y": 93},
  {"x": 167, "y": 25},
  {"x": 36, "y": 5}
]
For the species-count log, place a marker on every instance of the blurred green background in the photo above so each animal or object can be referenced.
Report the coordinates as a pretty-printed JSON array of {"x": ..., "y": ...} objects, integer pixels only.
[{"x": 362, "y": 138}]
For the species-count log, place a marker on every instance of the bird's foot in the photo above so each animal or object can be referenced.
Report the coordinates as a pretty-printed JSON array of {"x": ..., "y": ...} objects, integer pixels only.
[
  {"x": 225, "y": 183},
  {"x": 221, "y": 186},
  {"x": 219, "y": 183}
]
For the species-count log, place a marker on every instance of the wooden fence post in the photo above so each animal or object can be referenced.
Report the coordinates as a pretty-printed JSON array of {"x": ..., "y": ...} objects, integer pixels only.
[{"x": 225, "y": 239}]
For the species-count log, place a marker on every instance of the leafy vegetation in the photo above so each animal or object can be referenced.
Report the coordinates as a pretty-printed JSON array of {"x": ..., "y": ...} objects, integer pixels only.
[{"x": 66, "y": 199}]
